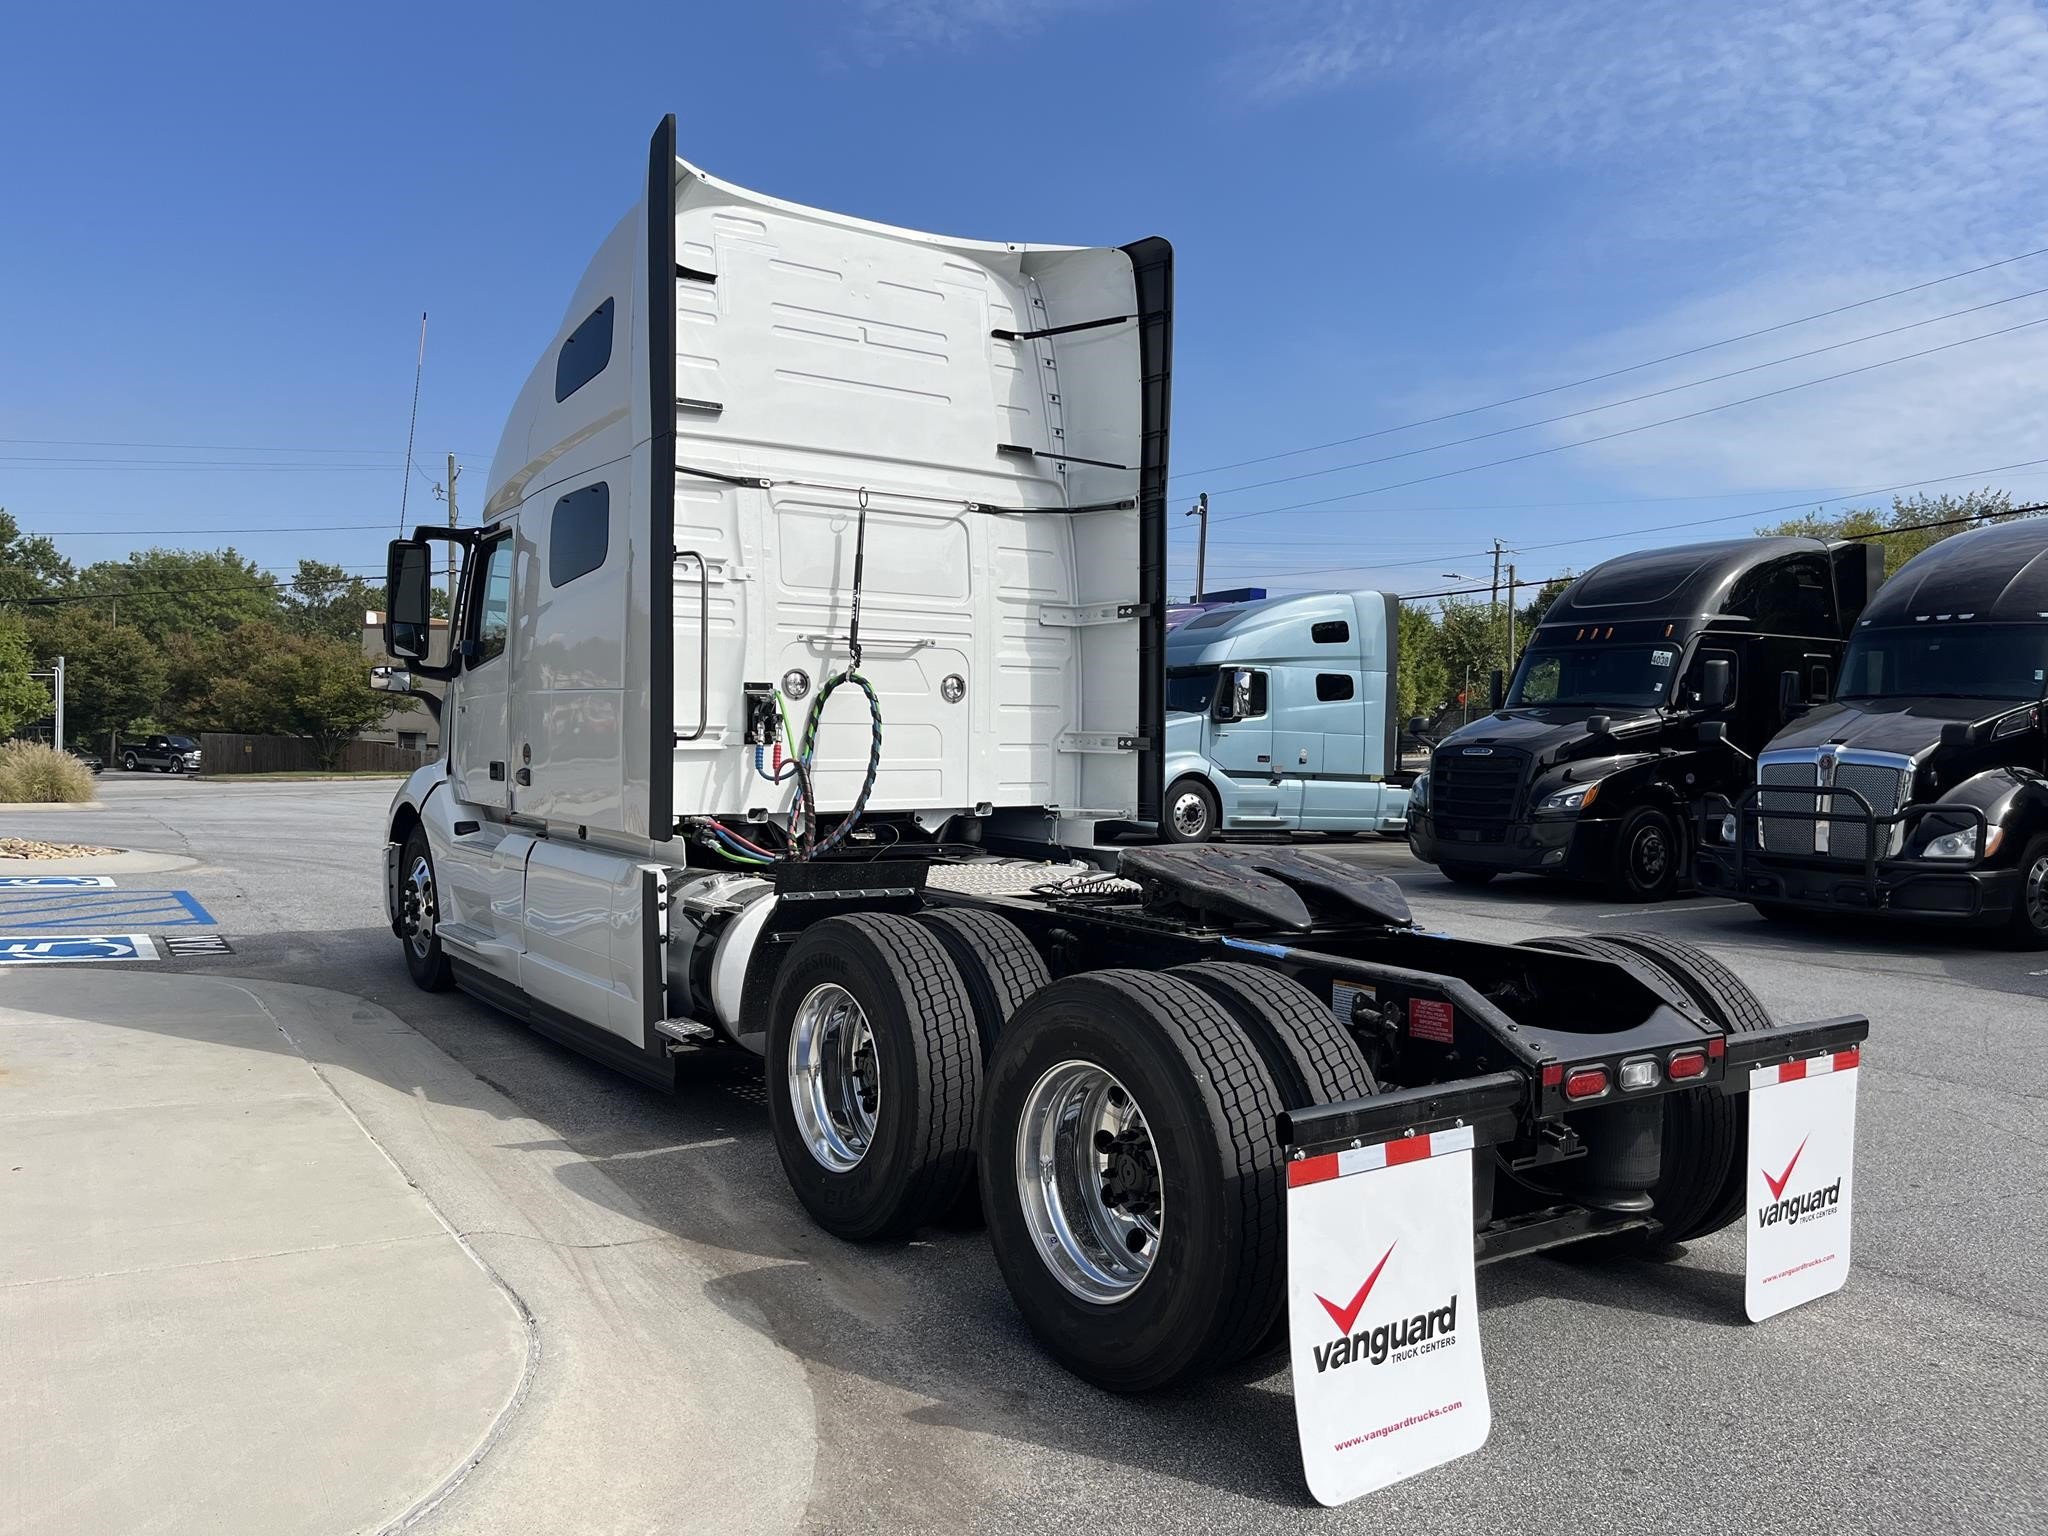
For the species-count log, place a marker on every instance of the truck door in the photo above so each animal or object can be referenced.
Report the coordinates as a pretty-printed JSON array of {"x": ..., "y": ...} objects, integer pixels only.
[
  {"x": 481, "y": 754},
  {"x": 1338, "y": 798},
  {"x": 1243, "y": 752}
]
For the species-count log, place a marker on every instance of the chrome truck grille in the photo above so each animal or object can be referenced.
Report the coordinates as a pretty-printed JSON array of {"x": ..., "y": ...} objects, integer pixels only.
[{"x": 1883, "y": 779}]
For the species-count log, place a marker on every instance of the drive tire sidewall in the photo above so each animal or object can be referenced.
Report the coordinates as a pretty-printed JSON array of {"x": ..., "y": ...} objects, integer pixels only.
[{"x": 921, "y": 1153}]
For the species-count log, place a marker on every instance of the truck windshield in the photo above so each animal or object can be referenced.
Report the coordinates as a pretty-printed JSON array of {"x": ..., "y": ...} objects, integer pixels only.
[
  {"x": 1947, "y": 661},
  {"x": 1190, "y": 689},
  {"x": 1636, "y": 675}
]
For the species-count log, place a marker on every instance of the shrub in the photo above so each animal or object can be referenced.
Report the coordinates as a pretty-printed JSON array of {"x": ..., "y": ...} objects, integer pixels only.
[{"x": 33, "y": 772}]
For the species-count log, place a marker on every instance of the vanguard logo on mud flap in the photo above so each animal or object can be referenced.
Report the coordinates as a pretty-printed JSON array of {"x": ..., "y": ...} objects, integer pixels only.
[
  {"x": 1401, "y": 1339},
  {"x": 1810, "y": 1206}
]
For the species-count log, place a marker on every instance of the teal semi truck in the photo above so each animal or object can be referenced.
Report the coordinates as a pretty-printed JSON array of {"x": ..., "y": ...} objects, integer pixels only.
[{"x": 1282, "y": 716}]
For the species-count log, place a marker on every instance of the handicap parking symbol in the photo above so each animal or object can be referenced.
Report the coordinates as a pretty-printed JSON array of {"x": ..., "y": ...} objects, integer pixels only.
[{"x": 49, "y": 949}]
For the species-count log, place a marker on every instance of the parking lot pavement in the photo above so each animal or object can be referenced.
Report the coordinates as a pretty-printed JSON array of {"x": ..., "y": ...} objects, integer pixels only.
[{"x": 1629, "y": 1395}]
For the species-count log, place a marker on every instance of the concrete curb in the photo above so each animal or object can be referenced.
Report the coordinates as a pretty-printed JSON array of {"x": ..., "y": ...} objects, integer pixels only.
[
  {"x": 121, "y": 861},
  {"x": 650, "y": 1397},
  {"x": 52, "y": 805}
]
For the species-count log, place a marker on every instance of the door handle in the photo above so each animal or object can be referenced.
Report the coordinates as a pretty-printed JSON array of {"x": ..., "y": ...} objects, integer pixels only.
[{"x": 1265, "y": 757}]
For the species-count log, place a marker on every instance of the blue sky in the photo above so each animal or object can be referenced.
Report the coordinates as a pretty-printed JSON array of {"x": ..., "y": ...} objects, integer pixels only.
[{"x": 221, "y": 225}]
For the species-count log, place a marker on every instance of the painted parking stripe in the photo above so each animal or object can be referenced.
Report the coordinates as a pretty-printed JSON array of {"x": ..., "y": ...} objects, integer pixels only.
[
  {"x": 55, "y": 882},
  {"x": 75, "y": 911},
  {"x": 74, "y": 948}
]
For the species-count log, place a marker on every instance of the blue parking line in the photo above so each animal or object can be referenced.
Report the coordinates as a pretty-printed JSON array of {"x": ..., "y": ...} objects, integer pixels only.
[{"x": 51, "y": 910}]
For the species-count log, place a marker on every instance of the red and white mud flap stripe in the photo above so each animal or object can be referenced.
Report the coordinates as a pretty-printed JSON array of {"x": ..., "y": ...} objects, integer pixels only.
[
  {"x": 1383, "y": 1316},
  {"x": 1802, "y": 1152}
]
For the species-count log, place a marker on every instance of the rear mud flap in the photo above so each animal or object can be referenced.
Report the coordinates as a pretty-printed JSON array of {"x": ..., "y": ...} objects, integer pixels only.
[
  {"x": 1383, "y": 1315},
  {"x": 1802, "y": 1146}
]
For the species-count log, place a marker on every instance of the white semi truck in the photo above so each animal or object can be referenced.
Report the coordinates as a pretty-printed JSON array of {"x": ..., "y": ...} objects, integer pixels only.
[{"x": 812, "y": 632}]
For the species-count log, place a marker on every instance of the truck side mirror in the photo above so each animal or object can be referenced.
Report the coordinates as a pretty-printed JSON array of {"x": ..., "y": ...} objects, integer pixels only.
[
  {"x": 1717, "y": 683},
  {"x": 1417, "y": 726},
  {"x": 1713, "y": 732},
  {"x": 1234, "y": 697},
  {"x": 408, "y": 600},
  {"x": 1596, "y": 725},
  {"x": 1788, "y": 695},
  {"x": 1497, "y": 686},
  {"x": 1956, "y": 733}
]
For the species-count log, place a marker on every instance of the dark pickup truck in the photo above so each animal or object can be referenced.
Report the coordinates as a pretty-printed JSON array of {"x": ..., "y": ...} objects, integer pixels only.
[{"x": 166, "y": 754}]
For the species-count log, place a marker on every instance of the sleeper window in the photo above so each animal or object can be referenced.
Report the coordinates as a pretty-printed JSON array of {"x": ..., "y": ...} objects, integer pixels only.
[
  {"x": 579, "y": 533},
  {"x": 584, "y": 355}
]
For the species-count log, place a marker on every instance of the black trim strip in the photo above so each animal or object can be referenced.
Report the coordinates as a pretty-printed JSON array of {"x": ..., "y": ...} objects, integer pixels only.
[
  {"x": 660, "y": 552},
  {"x": 1093, "y": 506},
  {"x": 1152, "y": 282},
  {"x": 692, "y": 275},
  {"x": 1391, "y": 766},
  {"x": 1062, "y": 330},
  {"x": 752, "y": 482},
  {"x": 1064, "y": 458}
]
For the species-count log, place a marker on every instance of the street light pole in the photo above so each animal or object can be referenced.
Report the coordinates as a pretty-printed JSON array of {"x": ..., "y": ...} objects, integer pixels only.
[{"x": 1201, "y": 509}]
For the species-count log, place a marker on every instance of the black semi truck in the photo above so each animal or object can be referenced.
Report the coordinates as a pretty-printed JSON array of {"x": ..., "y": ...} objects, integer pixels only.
[
  {"x": 1650, "y": 684},
  {"x": 1921, "y": 790}
]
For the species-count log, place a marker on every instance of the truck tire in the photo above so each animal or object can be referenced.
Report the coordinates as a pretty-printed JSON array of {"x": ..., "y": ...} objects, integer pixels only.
[
  {"x": 996, "y": 963},
  {"x": 2028, "y": 927},
  {"x": 1702, "y": 1183},
  {"x": 1467, "y": 874},
  {"x": 1648, "y": 855},
  {"x": 1311, "y": 1058},
  {"x": 1134, "y": 1188},
  {"x": 1191, "y": 812},
  {"x": 424, "y": 959},
  {"x": 874, "y": 1070}
]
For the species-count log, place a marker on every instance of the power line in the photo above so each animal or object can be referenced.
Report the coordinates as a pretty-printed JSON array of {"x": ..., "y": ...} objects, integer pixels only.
[
  {"x": 1698, "y": 522},
  {"x": 1876, "y": 533},
  {"x": 1583, "y": 442},
  {"x": 93, "y": 533},
  {"x": 1670, "y": 357},
  {"x": 51, "y": 600},
  {"x": 89, "y": 442},
  {"x": 1650, "y": 394}
]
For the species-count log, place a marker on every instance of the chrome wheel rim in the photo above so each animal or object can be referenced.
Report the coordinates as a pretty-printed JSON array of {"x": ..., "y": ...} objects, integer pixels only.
[
  {"x": 2034, "y": 893},
  {"x": 421, "y": 912},
  {"x": 1190, "y": 815},
  {"x": 1089, "y": 1178},
  {"x": 835, "y": 1082}
]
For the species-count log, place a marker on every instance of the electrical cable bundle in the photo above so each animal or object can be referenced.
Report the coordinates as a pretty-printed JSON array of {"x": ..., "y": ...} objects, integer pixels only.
[{"x": 804, "y": 817}]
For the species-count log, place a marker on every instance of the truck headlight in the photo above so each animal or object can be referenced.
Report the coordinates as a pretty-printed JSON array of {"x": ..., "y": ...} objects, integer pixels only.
[
  {"x": 1567, "y": 801},
  {"x": 1952, "y": 845}
]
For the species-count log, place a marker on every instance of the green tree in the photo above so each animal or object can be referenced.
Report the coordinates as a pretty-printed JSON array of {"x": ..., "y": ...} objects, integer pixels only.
[
  {"x": 268, "y": 680},
  {"x": 1532, "y": 612},
  {"x": 114, "y": 679},
  {"x": 324, "y": 600},
  {"x": 29, "y": 567},
  {"x": 163, "y": 592},
  {"x": 23, "y": 700},
  {"x": 1421, "y": 684},
  {"x": 1475, "y": 638},
  {"x": 1899, "y": 528}
]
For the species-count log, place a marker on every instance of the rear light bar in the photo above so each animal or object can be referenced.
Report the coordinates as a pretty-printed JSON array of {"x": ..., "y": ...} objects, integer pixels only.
[
  {"x": 1582, "y": 1083},
  {"x": 1688, "y": 1063}
]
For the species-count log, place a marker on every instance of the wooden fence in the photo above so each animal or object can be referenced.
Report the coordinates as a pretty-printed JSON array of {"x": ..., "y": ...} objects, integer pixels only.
[{"x": 230, "y": 752}]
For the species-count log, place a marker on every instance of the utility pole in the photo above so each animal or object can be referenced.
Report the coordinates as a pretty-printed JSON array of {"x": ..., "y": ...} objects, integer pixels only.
[
  {"x": 1201, "y": 509},
  {"x": 1495, "y": 614}
]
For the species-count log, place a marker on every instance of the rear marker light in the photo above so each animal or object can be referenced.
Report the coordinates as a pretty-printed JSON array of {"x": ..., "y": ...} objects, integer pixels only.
[
  {"x": 1553, "y": 1074},
  {"x": 1586, "y": 1083},
  {"x": 1717, "y": 1047},
  {"x": 1638, "y": 1074},
  {"x": 1685, "y": 1064}
]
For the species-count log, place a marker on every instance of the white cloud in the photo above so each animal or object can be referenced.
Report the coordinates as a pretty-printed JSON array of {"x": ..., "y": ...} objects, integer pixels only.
[
  {"x": 894, "y": 24},
  {"x": 1827, "y": 151}
]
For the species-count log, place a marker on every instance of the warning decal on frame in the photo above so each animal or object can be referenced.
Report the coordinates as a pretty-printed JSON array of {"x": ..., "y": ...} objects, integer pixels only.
[
  {"x": 1429, "y": 1018},
  {"x": 1802, "y": 1150},
  {"x": 1383, "y": 1314}
]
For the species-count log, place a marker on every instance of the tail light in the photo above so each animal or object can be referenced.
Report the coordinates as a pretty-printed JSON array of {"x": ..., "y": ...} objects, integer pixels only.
[
  {"x": 1684, "y": 1064},
  {"x": 1586, "y": 1083}
]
